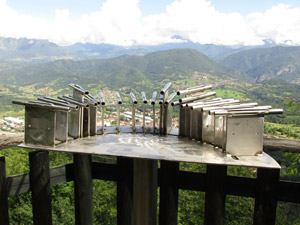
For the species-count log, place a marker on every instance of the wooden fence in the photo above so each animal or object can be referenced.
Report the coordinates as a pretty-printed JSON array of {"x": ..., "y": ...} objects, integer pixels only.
[{"x": 267, "y": 189}]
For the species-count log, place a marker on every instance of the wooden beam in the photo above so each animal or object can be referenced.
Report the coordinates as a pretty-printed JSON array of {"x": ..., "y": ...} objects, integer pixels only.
[
  {"x": 11, "y": 140},
  {"x": 18, "y": 184},
  {"x": 40, "y": 187},
  {"x": 289, "y": 191},
  {"x": 192, "y": 181},
  {"x": 144, "y": 192},
  {"x": 61, "y": 174},
  {"x": 4, "y": 218},
  {"x": 215, "y": 194},
  {"x": 281, "y": 145},
  {"x": 266, "y": 196},
  {"x": 125, "y": 191},
  {"x": 168, "y": 203},
  {"x": 83, "y": 189},
  {"x": 105, "y": 171},
  {"x": 240, "y": 186}
]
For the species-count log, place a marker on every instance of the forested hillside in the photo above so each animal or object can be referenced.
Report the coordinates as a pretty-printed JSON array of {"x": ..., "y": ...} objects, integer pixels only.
[
  {"x": 184, "y": 67},
  {"x": 279, "y": 63},
  {"x": 117, "y": 72}
]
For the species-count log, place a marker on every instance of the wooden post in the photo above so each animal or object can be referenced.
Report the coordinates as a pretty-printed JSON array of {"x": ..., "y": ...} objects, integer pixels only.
[
  {"x": 83, "y": 189},
  {"x": 215, "y": 194},
  {"x": 168, "y": 204},
  {"x": 125, "y": 191},
  {"x": 39, "y": 177},
  {"x": 4, "y": 218},
  {"x": 266, "y": 196},
  {"x": 145, "y": 192}
]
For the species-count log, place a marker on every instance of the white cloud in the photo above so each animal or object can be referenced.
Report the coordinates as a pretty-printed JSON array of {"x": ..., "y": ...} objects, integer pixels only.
[
  {"x": 281, "y": 23},
  {"x": 199, "y": 21},
  {"x": 121, "y": 22}
]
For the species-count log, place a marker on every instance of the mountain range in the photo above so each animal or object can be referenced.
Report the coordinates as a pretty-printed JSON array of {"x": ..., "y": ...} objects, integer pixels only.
[
  {"x": 279, "y": 63},
  {"x": 96, "y": 62},
  {"x": 265, "y": 75},
  {"x": 117, "y": 72},
  {"x": 36, "y": 51}
]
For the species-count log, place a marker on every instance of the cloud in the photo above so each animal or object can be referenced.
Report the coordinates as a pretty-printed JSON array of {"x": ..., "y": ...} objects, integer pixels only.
[
  {"x": 199, "y": 21},
  {"x": 121, "y": 22},
  {"x": 280, "y": 24}
]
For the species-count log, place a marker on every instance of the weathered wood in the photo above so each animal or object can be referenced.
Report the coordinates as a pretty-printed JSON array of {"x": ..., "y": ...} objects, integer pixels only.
[
  {"x": 266, "y": 196},
  {"x": 125, "y": 191},
  {"x": 215, "y": 194},
  {"x": 4, "y": 218},
  {"x": 281, "y": 145},
  {"x": 61, "y": 174},
  {"x": 105, "y": 171},
  {"x": 11, "y": 140},
  {"x": 145, "y": 192},
  {"x": 40, "y": 187},
  {"x": 168, "y": 204},
  {"x": 191, "y": 181},
  {"x": 289, "y": 191},
  {"x": 240, "y": 186},
  {"x": 83, "y": 189},
  {"x": 18, "y": 184}
]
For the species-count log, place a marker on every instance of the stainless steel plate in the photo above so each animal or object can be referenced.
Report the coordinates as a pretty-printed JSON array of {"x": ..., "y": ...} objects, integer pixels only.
[{"x": 148, "y": 146}]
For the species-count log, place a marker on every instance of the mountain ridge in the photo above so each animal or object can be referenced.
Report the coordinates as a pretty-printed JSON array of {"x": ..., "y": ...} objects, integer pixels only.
[
  {"x": 39, "y": 50},
  {"x": 279, "y": 63},
  {"x": 120, "y": 71}
]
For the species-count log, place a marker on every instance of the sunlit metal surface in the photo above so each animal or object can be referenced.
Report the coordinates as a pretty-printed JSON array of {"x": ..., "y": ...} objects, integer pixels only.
[
  {"x": 149, "y": 146},
  {"x": 236, "y": 128}
]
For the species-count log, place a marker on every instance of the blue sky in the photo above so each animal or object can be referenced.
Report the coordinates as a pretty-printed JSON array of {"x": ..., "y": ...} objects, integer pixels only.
[
  {"x": 129, "y": 22},
  {"x": 78, "y": 7}
]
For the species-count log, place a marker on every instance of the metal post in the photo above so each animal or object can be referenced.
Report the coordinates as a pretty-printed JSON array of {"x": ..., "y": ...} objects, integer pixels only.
[
  {"x": 134, "y": 102},
  {"x": 153, "y": 104},
  {"x": 161, "y": 113},
  {"x": 154, "y": 131},
  {"x": 102, "y": 102},
  {"x": 78, "y": 94},
  {"x": 133, "y": 118},
  {"x": 102, "y": 117},
  {"x": 118, "y": 118},
  {"x": 119, "y": 102},
  {"x": 144, "y": 123},
  {"x": 144, "y": 110},
  {"x": 164, "y": 93}
]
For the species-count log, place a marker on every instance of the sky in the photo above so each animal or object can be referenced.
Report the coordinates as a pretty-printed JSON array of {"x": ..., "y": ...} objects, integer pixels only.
[{"x": 152, "y": 22}]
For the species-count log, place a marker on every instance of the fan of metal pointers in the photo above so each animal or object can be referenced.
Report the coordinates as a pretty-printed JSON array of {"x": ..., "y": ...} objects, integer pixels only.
[{"x": 236, "y": 128}]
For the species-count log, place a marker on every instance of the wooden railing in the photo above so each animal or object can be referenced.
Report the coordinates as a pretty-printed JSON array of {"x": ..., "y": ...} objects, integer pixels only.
[{"x": 266, "y": 189}]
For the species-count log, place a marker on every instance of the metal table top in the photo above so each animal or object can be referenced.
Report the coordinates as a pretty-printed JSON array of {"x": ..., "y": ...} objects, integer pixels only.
[{"x": 149, "y": 146}]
